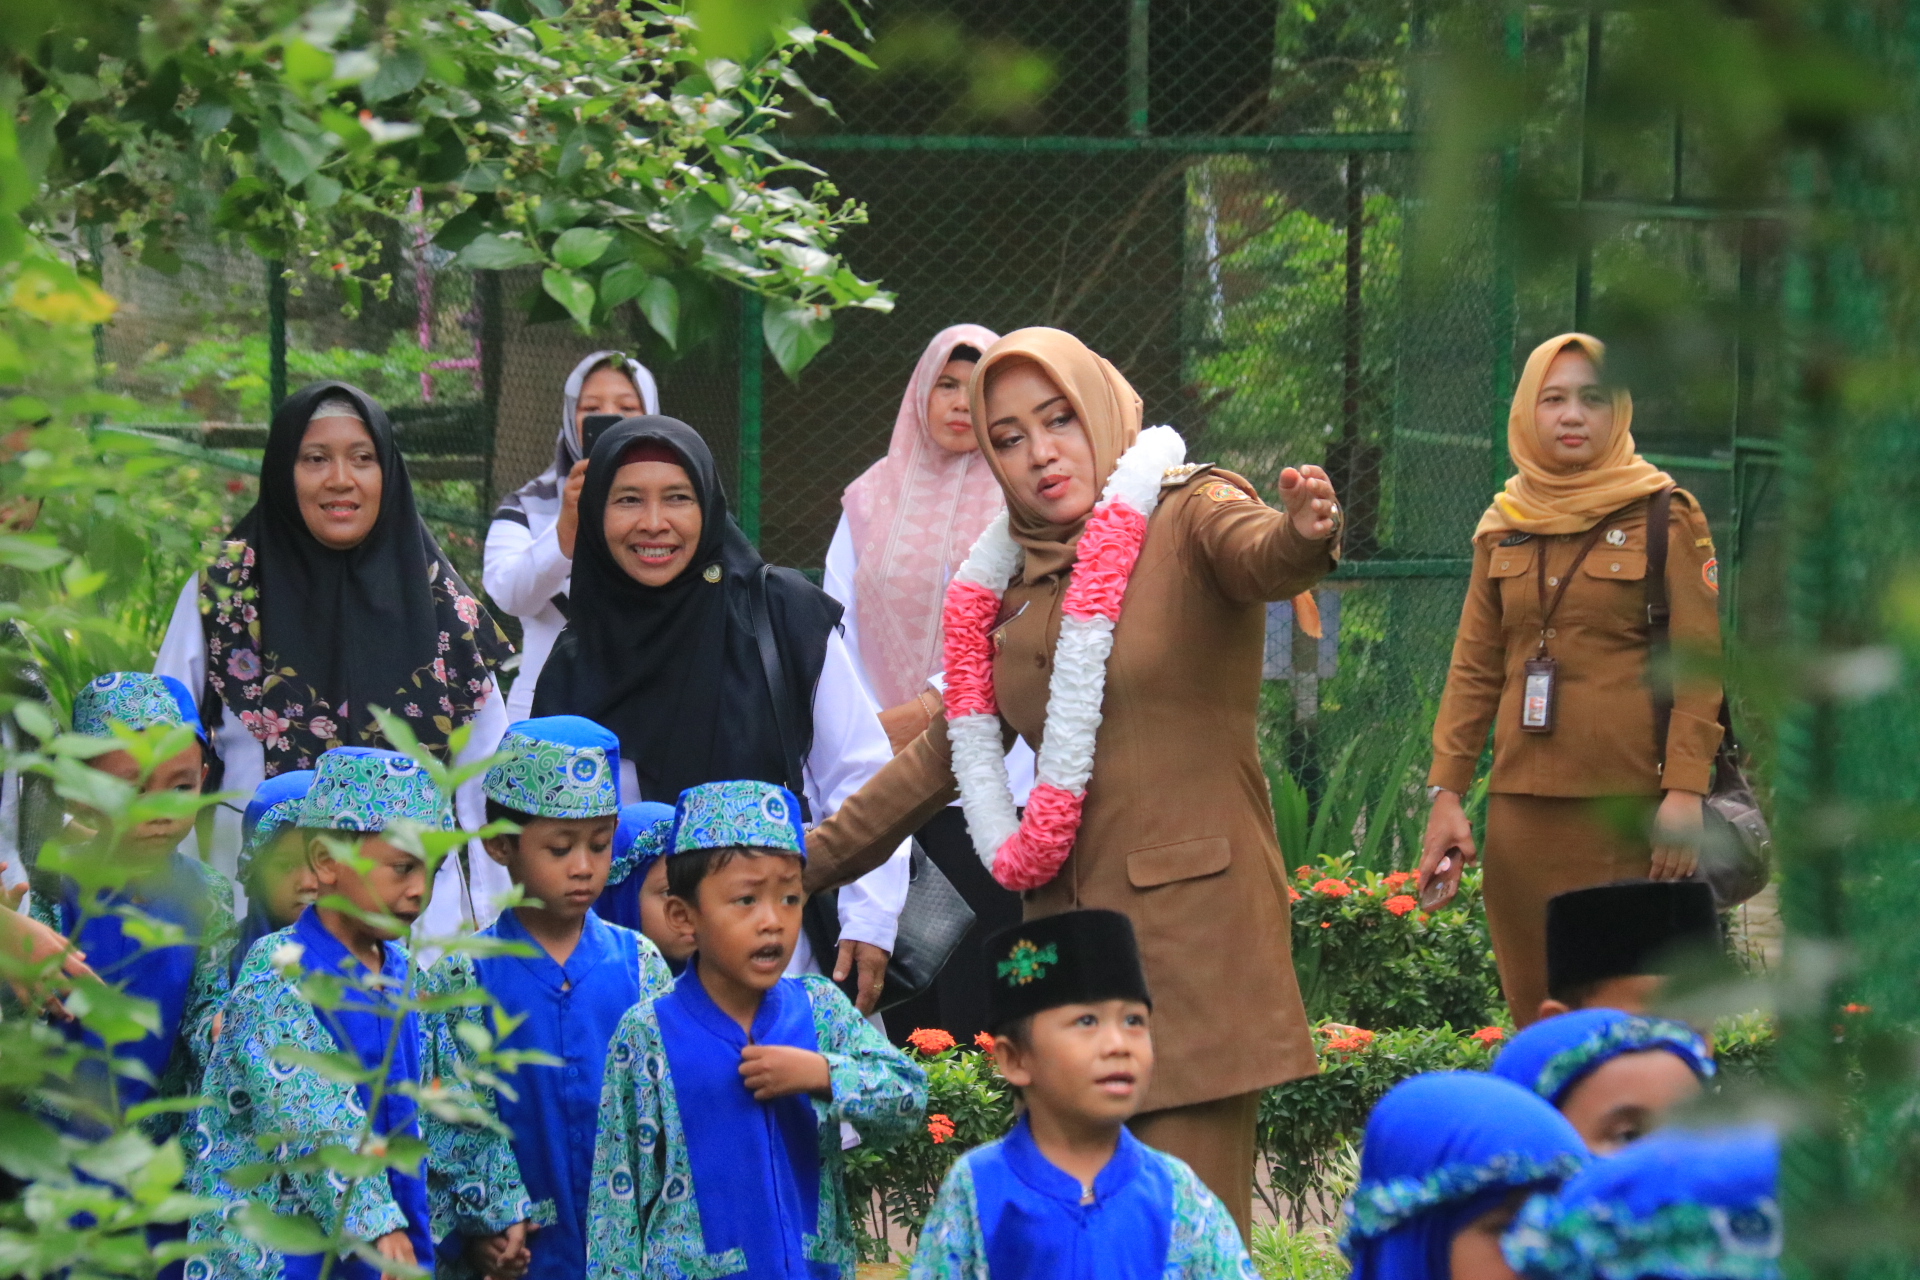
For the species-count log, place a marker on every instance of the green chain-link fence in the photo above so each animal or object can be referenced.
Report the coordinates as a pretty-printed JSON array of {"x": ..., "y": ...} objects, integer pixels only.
[{"x": 1220, "y": 197}]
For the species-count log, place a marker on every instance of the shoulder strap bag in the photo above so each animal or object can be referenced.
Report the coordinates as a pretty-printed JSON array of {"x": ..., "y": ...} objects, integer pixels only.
[
  {"x": 935, "y": 917},
  {"x": 1736, "y": 847}
]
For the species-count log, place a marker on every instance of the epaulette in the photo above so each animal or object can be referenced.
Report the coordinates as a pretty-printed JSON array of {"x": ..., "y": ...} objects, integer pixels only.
[{"x": 1174, "y": 477}]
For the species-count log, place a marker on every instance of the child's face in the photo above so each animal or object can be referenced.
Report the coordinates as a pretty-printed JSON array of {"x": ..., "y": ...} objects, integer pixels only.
[
  {"x": 674, "y": 940},
  {"x": 1090, "y": 1062},
  {"x": 562, "y": 862},
  {"x": 395, "y": 882},
  {"x": 283, "y": 880},
  {"x": 155, "y": 838},
  {"x": 747, "y": 919},
  {"x": 1624, "y": 1098},
  {"x": 1634, "y": 993},
  {"x": 1474, "y": 1253}
]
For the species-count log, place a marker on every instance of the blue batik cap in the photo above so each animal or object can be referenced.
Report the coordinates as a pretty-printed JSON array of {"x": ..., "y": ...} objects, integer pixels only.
[
  {"x": 366, "y": 789},
  {"x": 275, "y": 806},
  {"x": 1553, "y": 1055},
  {"x": 557, "y": 767},
  {"x": 738, "y": 815},
  {"x": 135, "y": 699},
  {"x": 644, "y": 832}
]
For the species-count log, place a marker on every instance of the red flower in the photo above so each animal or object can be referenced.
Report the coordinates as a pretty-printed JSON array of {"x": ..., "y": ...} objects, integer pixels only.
[
  {"x": 1346, "y": 1039},
  {"x": 1856, "y": 1008},
  {"x": 1326, "y": 924},
  {"x": 1395, "y": 879},
  {"x": 1488, "y": 1036},
  {"x": 983, "y": 1040},
  {"x": 1333, "y": 888},
  {"x": 930, "y": 1040},
  {"x": 1400, "y": 904},
  {"x": 939, "y": 1128},
  {"x": 1293, "y": 894},
  {"x": 236, "y": 484},
  {"x": 1304, "y": 872}
]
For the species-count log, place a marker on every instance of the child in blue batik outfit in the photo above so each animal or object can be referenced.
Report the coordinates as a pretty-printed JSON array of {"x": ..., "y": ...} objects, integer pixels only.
[
  {"x": 469, "y": 1182},
  {"x": 577, "y": 974},
  {"x": 636, "y": 892},
  {"x": 273, "y": 867},
  {"x": 719, "y": 1147},
  {"x": 1069, "y": 1194},
  {"x": 1447, "y": 1161},
  {"x": 185, "y": 981},
  {"x": 1613, "y": 1075},
  {"x": 1681, "y": 1205}
]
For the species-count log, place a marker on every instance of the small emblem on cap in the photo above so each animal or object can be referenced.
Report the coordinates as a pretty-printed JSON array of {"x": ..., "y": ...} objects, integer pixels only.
[
  {"x": 711, "y": 573},
  {"x": 1027, "y": 962}
]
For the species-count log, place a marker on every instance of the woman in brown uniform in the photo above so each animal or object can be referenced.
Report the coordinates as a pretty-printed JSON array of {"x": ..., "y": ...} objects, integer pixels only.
[
  {"x": 1552, "y": 652},
  {"x": 1176, "y": 829}
]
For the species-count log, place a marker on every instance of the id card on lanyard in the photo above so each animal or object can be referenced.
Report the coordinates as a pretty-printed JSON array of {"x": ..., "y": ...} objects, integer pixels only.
[{"x": 1541, "y": 674}]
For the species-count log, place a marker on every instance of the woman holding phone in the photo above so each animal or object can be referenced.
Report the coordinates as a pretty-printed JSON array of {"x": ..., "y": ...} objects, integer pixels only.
[
  {"x": 1552, "y": 655},
  {"x": 529, "y": 555}
]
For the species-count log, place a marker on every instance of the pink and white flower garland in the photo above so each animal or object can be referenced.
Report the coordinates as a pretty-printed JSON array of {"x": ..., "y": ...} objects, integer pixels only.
[{"x": 1026, "y": 852}]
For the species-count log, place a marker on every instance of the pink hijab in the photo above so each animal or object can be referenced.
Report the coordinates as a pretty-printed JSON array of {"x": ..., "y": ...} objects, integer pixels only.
[{"x": 914, "y": 516}]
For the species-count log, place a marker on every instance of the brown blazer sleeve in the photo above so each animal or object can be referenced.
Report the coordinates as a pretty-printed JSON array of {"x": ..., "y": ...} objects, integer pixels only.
[
  {"x": 1475, "y": 678},
  {"x": 1252, "y": 551},
  {"x": 1693, "y": 592},
  {"x": 895, "y": 802}
]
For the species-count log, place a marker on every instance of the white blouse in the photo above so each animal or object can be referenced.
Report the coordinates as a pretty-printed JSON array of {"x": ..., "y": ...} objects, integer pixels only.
[
  {"x": 183, "y": 655},
  {"x": 837, "y": 581},
  {"x": 523, "y": 571}
]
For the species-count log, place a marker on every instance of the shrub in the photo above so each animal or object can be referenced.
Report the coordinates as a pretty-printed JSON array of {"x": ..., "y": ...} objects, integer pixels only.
[{"x": 1365, "y": 953}]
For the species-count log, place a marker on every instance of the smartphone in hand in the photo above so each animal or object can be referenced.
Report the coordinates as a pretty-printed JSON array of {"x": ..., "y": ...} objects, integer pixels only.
[
  {"x": 1442, "y": 885},
  {"x": 591, "y": 429}
]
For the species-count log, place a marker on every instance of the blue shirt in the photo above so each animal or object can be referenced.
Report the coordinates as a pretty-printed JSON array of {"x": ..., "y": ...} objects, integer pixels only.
[{"x": 571, "y": 1011}]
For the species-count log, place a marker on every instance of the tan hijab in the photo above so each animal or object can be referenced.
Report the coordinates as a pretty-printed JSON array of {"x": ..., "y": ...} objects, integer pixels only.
[
  {"x": 1540, "y": 498},
  {"x": 1108, "y": 408}
]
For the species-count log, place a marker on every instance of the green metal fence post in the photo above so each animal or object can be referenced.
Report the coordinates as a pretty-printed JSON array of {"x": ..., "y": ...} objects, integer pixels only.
[
  {"x": 493, "y": 349},
  {"x": 1505, "y": 309},
  {"x": 751, "y": 349},
  {"x": 276, "y": 334},
  {"x": 1137, "y": 34}
]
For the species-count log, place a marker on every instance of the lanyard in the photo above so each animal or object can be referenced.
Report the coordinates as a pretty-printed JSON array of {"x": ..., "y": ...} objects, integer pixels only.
[{"x": 1547, "y": 607}]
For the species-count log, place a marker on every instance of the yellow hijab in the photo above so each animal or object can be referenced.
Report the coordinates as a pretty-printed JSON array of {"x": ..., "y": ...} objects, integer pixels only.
[
  {"x": 1108, "y": 408},
  {"x": 1540, "y": 498}
]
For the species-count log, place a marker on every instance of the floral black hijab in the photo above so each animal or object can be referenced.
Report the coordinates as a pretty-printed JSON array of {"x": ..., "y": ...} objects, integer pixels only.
[{"x": 304, "y": 641}]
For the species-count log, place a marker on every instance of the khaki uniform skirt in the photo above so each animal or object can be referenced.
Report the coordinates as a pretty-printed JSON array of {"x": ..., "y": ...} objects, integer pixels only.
[{"x": 1537, "y": 846}]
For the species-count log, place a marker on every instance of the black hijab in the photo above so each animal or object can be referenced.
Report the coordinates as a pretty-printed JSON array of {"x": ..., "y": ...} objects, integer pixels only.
[
  {"x": 675, "y": 671},
  {"x": 304, "y": 641}
]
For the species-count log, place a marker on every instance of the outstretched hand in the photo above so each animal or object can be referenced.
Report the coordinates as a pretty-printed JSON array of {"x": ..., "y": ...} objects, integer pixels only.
[
  {"x": 1308, "y": 497},
  {"x": 567, "y": 527}
]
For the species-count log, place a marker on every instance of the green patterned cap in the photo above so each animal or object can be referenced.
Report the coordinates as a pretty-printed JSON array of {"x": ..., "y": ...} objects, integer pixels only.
[
  {"x": 557, "y": 767},
  {"x": 366, "y": 789}
]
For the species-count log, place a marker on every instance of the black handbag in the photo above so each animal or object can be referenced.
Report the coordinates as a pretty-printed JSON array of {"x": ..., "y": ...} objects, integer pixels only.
[
  {"x": 1736, "y": 846},
  {"x": 934, "y": 918}
]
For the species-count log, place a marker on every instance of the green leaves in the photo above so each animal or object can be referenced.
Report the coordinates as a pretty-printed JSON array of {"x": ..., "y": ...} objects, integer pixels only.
[
  {"x": 660, "y": 304},
  {"x": 581, "y": 247},
  {"x": 571, "y": 292},
  {"x": 490, "y": 252},
  {"x": 282, "y": 1232},
  {"x": 795, "y": 332}
]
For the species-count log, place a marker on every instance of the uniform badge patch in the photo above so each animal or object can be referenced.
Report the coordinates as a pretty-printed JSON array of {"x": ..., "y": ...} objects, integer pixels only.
[
  {"x": 1616, "y": 537},
  {"x": 1515, "y": 539},
  {"x": 1710, "y": 571},
  {"x": 1221, "y": 491}
]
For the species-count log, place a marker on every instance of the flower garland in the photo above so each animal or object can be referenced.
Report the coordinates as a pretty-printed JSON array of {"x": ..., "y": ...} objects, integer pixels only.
[{"x": 1026, "y": 852}]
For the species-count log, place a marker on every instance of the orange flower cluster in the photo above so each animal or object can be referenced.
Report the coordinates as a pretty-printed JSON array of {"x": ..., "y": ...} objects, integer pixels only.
[
  {"x": 1345, "y": 1039},
  {"x": 1401, "y": 903},
  {"x": 1394, "y": 880},
  {"x": 1293, "y": 894},
  {"x": 1856, "y": 1008},
  {"x": 939, "y": 1128},
  {"x": 983, "y": 1040},
  {"x": 1488, "y": 1036},
  {"x": 1333, "y": 888},
  {"x": 930, "y": 1040}
]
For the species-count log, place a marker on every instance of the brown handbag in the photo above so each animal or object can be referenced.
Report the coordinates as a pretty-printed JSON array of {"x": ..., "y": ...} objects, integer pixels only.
[{"x": 1736, "y": 847}]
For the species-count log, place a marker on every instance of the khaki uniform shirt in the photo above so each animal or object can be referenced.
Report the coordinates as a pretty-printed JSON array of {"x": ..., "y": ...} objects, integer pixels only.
[
  {"x": 1602, "y": 739},
  {"x": 1177, "y": 829}
]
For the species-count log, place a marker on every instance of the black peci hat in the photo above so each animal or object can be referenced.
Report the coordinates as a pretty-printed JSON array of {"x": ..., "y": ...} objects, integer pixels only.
[
  {"x": 1625, "y": 929},
  {"x": 1076, "y": 957}
]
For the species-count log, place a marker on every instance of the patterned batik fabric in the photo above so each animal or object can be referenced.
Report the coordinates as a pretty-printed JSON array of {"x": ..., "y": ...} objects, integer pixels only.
[
  {"x": 187, "y": 983},
  {"x": 1681, "y": 1205},
  {"x": 738, "y": 815},
  {"x": 366, "y": 788},
  {"x": 473, "y": 1181},
  {"x": 644, "y": 1218},
  {"x": 1553, "y": 1055},
  {"x": 570, "y": 1011},
  {"x": 557, "y": 767},
  {"x": 292, "y": 721},
  {"x": 1005, "y": 1213},
  {"x": 134, "y": 700}
]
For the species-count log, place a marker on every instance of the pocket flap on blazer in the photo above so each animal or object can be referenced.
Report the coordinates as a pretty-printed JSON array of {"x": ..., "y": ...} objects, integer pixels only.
[
  {"x": 1511, "y": 562},
  {"x": 1621, "y": 565},
  {"x": 1187, "y": 860}
]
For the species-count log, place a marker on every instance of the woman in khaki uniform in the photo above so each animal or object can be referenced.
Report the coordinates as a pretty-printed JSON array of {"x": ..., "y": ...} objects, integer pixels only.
[
  {"x": 1176, "y": 829},
  {"x": 1559, "y": 594}
]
